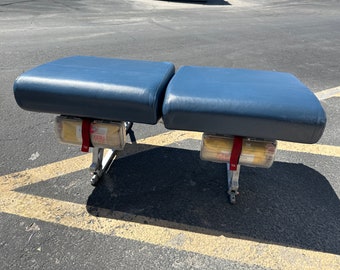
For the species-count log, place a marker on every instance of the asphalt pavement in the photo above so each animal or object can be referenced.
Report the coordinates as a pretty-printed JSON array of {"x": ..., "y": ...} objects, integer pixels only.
[{"x": 160, "y": 206}]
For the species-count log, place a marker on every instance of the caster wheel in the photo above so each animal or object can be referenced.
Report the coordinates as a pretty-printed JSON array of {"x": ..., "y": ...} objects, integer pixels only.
[
  {"x": 232, "y": 199},
  {"x": 94, "y": 180}
]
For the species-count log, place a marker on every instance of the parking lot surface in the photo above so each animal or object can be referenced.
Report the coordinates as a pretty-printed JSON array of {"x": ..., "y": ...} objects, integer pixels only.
[{"x": 160, "y": 206}]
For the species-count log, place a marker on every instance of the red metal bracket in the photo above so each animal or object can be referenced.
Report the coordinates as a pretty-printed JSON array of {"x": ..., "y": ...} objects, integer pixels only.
[
  {"x": 236, "y": 153},
  {"x": 85, "y": 133}
]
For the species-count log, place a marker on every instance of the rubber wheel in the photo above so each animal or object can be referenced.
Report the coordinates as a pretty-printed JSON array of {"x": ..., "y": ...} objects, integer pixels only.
[{"x": 94, "y": 180}]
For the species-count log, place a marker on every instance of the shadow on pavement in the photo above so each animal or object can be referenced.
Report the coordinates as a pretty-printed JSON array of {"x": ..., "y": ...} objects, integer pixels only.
[{"x": 288, "y": 204}]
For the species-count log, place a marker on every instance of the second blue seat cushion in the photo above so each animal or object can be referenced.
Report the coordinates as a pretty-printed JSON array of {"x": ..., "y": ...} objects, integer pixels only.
[{"x": 250, "y": 103}]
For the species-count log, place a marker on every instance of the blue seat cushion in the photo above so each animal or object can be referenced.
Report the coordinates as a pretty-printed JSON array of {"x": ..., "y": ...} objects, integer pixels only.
[
  {"x": 94, "y": 87},
  {"x": 250, "y": 103}
]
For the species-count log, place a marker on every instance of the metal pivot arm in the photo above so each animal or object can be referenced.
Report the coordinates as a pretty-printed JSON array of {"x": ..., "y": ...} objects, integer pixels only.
[{"x": 233, "y": 177}]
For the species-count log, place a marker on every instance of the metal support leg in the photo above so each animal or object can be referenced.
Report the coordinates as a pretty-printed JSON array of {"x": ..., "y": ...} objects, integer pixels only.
[
  {"x": 233, "y": 177},
  {"x": 100, "y": 163},
  {"x": 97, "y": 158}
]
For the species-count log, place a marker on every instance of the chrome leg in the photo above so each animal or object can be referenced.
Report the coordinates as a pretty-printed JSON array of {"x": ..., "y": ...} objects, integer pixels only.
[
  {"x": 100, "y": 164},
  {"x": 233, "y": 185}
]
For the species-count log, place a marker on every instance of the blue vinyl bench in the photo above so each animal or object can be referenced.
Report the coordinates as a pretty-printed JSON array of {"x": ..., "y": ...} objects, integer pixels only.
[
  {"x": 94, "y": 87},
  {"x": 219, "y": 101},
  {"x": 248, "y": 103}
]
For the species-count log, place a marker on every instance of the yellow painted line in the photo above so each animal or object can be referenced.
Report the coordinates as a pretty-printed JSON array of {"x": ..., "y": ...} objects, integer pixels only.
[
  {"x": 213, "y": 244},
  {"x": 186, "y": 238},
  {"x": 316, "y": 149},
  {"x": 328, "y": 93},
  {"x": 59, "y": 168},
  {"x": 31, "y": 176},
  {"x": 46, "y": 172}
]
